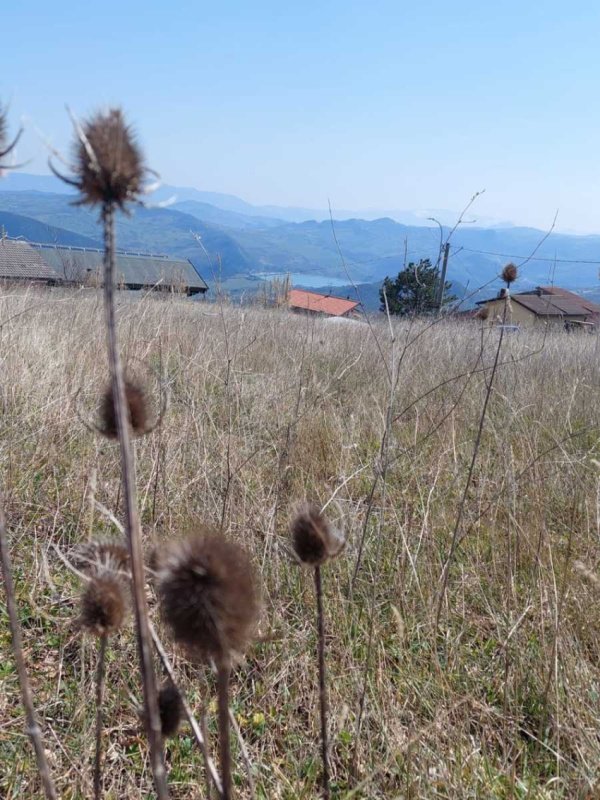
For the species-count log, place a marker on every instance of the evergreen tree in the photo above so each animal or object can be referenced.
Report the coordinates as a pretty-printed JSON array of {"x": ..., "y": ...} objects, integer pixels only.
[{"x": 414, "y": 290}]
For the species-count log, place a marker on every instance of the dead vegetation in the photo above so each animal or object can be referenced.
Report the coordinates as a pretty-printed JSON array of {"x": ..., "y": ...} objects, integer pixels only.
[{"x": 269, "y": 409}]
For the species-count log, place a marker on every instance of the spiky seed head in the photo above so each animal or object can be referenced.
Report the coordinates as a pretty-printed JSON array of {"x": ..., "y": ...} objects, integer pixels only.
[
  {"x": 509, "y": 273},
  {"x": 314, "y": 538},
  {"x": 208, "y": 595},
  {"x": 137, "y": 407},
  {"x": 108, "y": 163},
  {"x": 483, "y": 312},
  {"x": 102, "y": 605},
  {"x": 170, "y": 709},
  {"x": 102, "y": 555}
]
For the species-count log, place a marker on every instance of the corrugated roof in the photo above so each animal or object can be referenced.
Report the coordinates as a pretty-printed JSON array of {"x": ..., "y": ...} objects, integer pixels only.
[
  {"x": 20, "y": 261},
  {"x": 320, "y": 303},
  {"x": 132, "y": 269}
]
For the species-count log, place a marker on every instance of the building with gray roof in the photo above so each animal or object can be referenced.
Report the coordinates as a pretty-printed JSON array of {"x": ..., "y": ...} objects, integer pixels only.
[{"x": 61, "y": 265}]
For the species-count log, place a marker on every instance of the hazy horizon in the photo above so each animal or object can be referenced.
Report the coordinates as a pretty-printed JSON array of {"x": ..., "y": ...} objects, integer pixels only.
[{"x": 384, "y": 108}]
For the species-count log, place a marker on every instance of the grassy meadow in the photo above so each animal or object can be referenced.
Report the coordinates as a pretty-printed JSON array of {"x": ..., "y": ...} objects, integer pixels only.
[{"x": 266, "y": 410}]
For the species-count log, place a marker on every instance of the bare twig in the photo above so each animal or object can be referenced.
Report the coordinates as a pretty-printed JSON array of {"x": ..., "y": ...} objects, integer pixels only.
[
  {"x": 33, "y": 729},
  {"x": 99, "y": 697}
]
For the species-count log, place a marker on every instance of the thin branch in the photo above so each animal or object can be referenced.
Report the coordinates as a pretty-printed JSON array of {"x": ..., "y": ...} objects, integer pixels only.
[{"x": 33, "y": 728}]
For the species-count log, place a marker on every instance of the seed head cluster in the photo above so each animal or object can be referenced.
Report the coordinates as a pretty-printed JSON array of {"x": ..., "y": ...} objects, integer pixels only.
[
  {"x": 108, "y": 163},
  {"x": 208, "y": 595},
  {"x": 102, "y": 605},
  {"x": 102, "y": 555},
  {"x": 170, "y": 709},
  {"x": 137, "y": 407},
  {"x": 509, "y": 273},
  {"x": 315, "y": 540}
]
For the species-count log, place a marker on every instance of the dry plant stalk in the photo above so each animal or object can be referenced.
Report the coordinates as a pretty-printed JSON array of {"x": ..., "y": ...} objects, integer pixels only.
[
  {"x": 102, "y": 612},
  {"x": 33, "y": 728},
  {"x": 316, "y": 542},
  {"x": 508, "y": 275},
  {"x": 109, "y": 171},
  {"x": 209, "y": 599}
]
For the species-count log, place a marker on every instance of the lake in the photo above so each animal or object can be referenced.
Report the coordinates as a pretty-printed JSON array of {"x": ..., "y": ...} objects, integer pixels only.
[{"x": 308, "y": 280}]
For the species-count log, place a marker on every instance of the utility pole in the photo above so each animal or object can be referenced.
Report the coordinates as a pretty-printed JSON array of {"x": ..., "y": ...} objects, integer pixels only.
[{"x": 440, "y": 295}]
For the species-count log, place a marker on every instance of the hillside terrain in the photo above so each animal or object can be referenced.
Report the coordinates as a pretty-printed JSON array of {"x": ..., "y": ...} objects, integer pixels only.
[
  {"x": 268, "y": 410},
  {"x": 235, "y": 242}
]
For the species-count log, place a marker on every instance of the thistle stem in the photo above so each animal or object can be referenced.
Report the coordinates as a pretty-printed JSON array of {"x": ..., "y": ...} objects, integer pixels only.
[
  {"x": 223, "y": 673},
  {"x": 322, "y": 682},
  {"x": 100, "y": 672},
  {"x": 151, "y": 716},
  {"x": 33, "y": 729}
]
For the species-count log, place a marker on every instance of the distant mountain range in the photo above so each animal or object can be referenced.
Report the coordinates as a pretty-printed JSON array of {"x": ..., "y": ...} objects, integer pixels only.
[{"x": 225, "y": 236}]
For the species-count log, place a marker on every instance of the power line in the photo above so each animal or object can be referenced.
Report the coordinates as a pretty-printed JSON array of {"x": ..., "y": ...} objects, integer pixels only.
[{"x": 528, "y": 258}]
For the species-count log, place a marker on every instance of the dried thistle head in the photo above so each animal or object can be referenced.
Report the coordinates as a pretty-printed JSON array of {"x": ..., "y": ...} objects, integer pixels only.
[
  {"x": 483, "y": 313},
  {"x": 102, "y": 555},
  {"x": 315, "y": 540},
  {"x": 102, "y": 605},
  {"x": 137, "y": 407},
  {"x": 509, "y": 273},
  {"x": 208, "y": 595},
  {"x": 108, "y": 163},
  {"x": 170, "y": 709}
]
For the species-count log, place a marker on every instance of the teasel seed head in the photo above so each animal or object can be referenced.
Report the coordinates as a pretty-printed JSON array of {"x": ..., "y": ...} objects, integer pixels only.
[
  {"x": 509, "y": 273},
  {"x": 108, "y": 163},
  {"x": 208, "y": 595},
  {"x": 102, "y": 605},
  {"x": 483, "y": 313},
  {"x": 170, "y": 709},
  {"x": 102, "y": 555},
  {"x": 137, "y": 406},
  {"x": 315, "y": 540}
]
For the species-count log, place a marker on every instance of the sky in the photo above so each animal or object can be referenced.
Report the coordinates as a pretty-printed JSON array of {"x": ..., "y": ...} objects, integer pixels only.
[{"x": 384, "y": 105}]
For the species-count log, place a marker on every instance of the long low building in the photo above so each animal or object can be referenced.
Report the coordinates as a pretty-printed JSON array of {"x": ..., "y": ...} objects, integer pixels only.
[{"x": 59, "y": 265}]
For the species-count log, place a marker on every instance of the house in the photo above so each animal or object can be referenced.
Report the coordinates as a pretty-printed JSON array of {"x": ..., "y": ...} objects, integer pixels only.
[
  {"x": 59, "y": 265},
  {"x": 301, "y": 300},
  {"x": 547, "y": 304}
]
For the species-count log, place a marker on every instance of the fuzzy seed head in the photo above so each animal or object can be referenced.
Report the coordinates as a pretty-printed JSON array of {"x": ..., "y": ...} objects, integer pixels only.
[
  {"x": 483, "y": 313},
  {"x": 102, "y": 605},
  {"x": 208, "y": 595},
  {"x": 101, "y": 556},
  {"x": 108, "y": 163},
  {"x": 315, "y": 540},
  {"x": 137, "y": 407},
  {"x": 170, "y": 709},
  {"x": 509, "y": 273}
]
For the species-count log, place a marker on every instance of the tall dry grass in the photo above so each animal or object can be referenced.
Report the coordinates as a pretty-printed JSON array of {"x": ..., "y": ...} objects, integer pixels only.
[{"x": 267, "y": 409}]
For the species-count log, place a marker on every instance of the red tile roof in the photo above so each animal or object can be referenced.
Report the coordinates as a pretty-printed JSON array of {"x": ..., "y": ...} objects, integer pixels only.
[{"x": 320, "y": 303}]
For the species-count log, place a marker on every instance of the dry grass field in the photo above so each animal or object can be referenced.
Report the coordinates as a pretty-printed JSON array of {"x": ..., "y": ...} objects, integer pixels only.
[{"x": 268, "y": 409}]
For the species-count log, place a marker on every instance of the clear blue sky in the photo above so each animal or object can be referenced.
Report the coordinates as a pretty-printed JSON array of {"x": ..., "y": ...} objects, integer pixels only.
[{"x": 371, "y": 104}]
